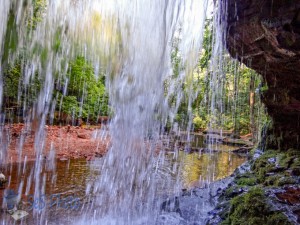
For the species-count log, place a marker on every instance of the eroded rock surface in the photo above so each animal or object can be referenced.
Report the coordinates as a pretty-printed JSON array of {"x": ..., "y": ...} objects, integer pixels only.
[{"x": 265, "y": 35}]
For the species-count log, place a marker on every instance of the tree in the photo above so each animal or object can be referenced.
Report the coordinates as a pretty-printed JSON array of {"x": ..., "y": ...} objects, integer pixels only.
[{"x": 81, "y": 94}]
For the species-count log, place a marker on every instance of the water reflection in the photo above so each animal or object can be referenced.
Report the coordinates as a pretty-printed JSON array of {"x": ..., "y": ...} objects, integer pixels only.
[
  {"x": 72, "y": 178},
  {"x": 199, "y": 169}
]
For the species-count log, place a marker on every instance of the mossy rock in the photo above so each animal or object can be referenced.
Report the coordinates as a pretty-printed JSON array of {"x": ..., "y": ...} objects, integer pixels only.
[
  {"x": 245, "y": 175},
  {"x": 272, "y": 180},
  {"x": 293, "y": 152},
  {"x": 263, "y": 161},
  {"x": 277, "y": 218},
  {"x": 264, "y": 166},
  {"x": 252, "y": 209},
  {"x": 286, "y": 161},
  {"x": 233, "y": 192},
  {"x": 296, "y": 163},
  {"x": 224, "y": 210},
  {"x": 295, "y": 171},
  {"x": 263, "y": 171},
  {"x": 286, "y": 180},
  {"x": 251, "y": 181}
]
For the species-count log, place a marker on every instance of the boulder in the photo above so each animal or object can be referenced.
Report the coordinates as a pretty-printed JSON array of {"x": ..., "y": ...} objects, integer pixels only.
[{"x": 83, "y": 135}]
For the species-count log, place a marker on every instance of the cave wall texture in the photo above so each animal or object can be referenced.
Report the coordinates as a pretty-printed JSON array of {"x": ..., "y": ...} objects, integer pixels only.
[{"x": 265, "y": 35}]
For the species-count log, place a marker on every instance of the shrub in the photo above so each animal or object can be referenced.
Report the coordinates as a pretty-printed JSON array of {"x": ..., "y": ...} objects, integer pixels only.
[{"x": 199, "y": 123}]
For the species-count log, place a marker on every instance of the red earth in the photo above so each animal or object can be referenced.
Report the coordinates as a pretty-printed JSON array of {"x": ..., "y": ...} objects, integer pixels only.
[{"x": 68, "y": 142}]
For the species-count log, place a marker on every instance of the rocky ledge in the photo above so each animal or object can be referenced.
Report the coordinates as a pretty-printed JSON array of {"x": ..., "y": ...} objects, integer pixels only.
[
  {"x": 265, "y": 35},
  {"x": 264, "y": 190}
]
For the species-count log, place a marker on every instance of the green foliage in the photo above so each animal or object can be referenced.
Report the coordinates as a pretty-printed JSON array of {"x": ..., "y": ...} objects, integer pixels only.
[
  {"x": 207, "y": 45},
  {"x": 86, "y": 96},
  {"x": 199, "y": 123},
  {"x": 69, "y": 105},
  {"x": 14, "y": 93},
  {"x": 11, "y": 79},
  {"x": 39, "y": 8},
  {"x": 11, "y": 38},
  {"x": 232, "y": 109},
  {"x": 264, "y": 88}
]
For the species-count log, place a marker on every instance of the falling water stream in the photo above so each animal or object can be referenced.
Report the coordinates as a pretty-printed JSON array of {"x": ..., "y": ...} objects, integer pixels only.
[{"x": 131, "y": 41}]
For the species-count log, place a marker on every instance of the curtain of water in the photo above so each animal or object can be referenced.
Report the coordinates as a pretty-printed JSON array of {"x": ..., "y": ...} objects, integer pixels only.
[
  {"x": 3, "y": 22},
  {"x": 127, "y": 189},
  {"x": 216, "y": 78},
  {"x": 216, "y": 65},
  {"x": 131, "y": 40}
]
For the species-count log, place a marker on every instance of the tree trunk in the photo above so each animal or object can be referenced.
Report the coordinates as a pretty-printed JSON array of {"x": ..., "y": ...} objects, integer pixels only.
[{"x": 251, "y": 106}]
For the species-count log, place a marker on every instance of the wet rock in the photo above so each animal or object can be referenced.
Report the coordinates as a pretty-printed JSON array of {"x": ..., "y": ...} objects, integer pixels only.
[
  {"x": 170, "y": 218},
  {"x": 83, "y": 135},
  {"x": 195, "y": 204},
  {"x": 242, "y": 150},
  {"x": 286, "y": 180},
  {"x": 290, "y": 195},
  {"x": 244, "y": 168},
  {"x": 272, "y": 195},
  {"x": 277, "y": 169},
  {"x": 295, "y": 171},
  {"x": 286, "y": 199},
  {"x": 257, "y": 154},
  {"x": 272, "y": 160},
  {"x": 171, "y": 205},
  {"x": 233, "y": 191},
  {"x": 2, "y": 180},
  {"x": 98, "y": 155}
]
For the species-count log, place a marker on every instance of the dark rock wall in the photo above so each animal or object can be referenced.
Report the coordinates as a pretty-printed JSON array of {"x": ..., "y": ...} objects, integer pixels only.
[{"x": 265, "y": 35}]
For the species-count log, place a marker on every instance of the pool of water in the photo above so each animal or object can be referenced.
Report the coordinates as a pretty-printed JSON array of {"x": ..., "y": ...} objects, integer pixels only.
[
  {"x": 67, "y": 185},
  {"x": 199, "y": 169}
]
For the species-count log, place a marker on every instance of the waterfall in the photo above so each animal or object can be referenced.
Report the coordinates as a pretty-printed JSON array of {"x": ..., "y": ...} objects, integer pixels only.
[
  {"x": 3, "y": 22},
  {"x": 132, "y": 42},
  {"x": 126, "y": 189}
]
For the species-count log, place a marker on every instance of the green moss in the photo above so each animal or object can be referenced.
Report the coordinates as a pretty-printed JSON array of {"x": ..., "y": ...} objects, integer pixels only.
[
  {"x": 244, "y": 212},
  {"x": 226, "y": 221},
  {"x": 246, "y": 181},
  {"x": 262, "y": 161},
  {"x": 277, "y": 218},
  {"x": 286, "y": 180},
  {"x": 225, "y": 210},
  {"x": 233, "y": 191},
  {"x": 295, "y": 163},
  {"x": 229, "y": 191},
  {"x": 263, "y": 165},
  {"x": 293, "y": 152},
  {"x": 252, "y": 208},
  {"x": 286, "y": 161},
  {"x": 272, "y": 180},
  {"x": 245, "y": 175}
]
